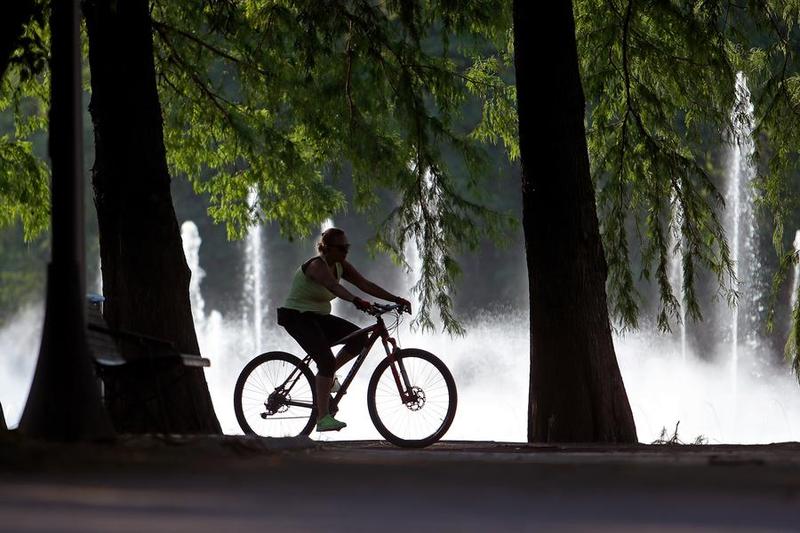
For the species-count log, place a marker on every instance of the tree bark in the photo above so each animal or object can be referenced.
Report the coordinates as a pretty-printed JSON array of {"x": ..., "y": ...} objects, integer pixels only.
[
  {"x": 145, "y": 275},
  {"x": 576, "y": 390}
]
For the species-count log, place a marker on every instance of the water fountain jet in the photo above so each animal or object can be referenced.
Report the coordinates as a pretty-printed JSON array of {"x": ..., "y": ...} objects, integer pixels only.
[
  {"x": 190, "y": 236},
  {"x": 796, "y": 275},
  {"x": 676, "y": 271},
  {"x": 741, "y": 223},
  {"x": 254, "y": 294}
]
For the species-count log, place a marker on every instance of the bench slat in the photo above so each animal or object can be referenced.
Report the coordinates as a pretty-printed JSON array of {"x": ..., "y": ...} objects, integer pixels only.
[{"x": 105, "y": 342}]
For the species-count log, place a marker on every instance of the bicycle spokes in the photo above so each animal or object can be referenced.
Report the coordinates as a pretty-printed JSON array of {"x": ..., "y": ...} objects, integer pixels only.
[
  {"x": 413, "y": 399},
  {"x": 277, "y": 399}
]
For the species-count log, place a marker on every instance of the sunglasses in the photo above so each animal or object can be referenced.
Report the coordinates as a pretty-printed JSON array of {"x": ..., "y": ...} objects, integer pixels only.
[{"x": 342, "y": 247}]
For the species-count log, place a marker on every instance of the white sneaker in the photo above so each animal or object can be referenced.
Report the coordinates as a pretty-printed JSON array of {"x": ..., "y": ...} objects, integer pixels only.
[{"x": 336, "y": 385}]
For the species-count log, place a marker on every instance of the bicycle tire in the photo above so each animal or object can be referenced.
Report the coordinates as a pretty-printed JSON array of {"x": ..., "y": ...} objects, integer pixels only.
[
  {"x": 380, "y": 416},
  {"x": 244, "y": 407}
]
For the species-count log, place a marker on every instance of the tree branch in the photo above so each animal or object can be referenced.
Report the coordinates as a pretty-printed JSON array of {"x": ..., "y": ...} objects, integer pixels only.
[
  {"x": 162, "y": 27},
  {"x": 215, "y": 99}
]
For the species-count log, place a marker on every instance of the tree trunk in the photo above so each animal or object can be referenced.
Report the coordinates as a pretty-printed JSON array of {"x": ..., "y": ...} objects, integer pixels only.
[
  {"x": 145, "y": 275},
  {"x": 576, "y": 390}
]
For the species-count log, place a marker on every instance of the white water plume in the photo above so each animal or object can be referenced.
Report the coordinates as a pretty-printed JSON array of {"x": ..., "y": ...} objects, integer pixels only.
[
  {"x": 430, "y": 198},
  {"x": 676, "y": 271},
  {"x": 190, "y": 237},
  {"x": 19, "y": 348},
  {"x": 326, "y": 224},
  {"x": 491, "y": 367},
  {"x": 795, "y": 273},
  {"x": 741, "y": 228},
  {"x": 411, "y": 274},
  {"x": 254, "y": 293},
  {"x": 764, "y": 408}
]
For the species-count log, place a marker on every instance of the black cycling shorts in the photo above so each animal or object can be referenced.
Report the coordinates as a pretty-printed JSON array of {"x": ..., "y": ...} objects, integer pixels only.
[{"x": 316, "y": 333}]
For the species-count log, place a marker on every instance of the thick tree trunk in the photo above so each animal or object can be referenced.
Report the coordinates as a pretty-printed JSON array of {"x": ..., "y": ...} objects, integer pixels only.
[
  {"x": 145, "y": 275},
  {"x": 576, "y": 390}
]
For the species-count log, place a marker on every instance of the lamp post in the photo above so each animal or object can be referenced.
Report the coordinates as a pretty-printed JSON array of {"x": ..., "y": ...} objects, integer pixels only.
[{"x": 64, "y": 401}]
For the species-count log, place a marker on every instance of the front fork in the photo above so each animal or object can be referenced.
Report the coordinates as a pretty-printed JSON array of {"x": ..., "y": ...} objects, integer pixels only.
[{"x": 398, "y": 370}]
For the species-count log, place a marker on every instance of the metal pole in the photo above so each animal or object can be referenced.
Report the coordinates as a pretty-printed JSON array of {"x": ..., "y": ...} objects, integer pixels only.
[{"x": 64, "y": 401}]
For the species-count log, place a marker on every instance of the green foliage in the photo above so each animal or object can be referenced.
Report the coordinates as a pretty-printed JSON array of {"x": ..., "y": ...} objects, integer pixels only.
[
  {"x": 499, "y": 121},
  {"x": 24, "y": 39},
  {"x": 657, "y": 75},
  {"x": 660, "y": 78},
  {"x": 239, "y": 135},
  {"x": 792, "y": 347},
  {"x": 283, "y": 97},
  {"x": 23, "y": 187},
  {"x": 775, "y": 66},
  {"x": 437, "y": 219},
  {"x": 24, "y": 177}
]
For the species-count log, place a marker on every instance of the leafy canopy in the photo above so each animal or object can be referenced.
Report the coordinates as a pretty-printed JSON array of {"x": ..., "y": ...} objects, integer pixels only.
[
  {"x": 659, "y": 77},
  {"x": 287, "y": 97},
  {"x": 24, "y": 93}
]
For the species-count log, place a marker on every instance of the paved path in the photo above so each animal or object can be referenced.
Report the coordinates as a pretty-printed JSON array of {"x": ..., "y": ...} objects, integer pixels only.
[{"x": 232, "y": 484}]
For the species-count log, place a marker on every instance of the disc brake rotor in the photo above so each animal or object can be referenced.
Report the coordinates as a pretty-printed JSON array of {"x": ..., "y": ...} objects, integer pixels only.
[{"x": 417, "y": 400}]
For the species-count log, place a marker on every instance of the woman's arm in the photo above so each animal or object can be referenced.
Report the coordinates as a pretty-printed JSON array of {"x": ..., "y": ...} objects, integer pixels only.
[
  {"x": 352, "y": 275},
  {"x": 319, "y": 272}
]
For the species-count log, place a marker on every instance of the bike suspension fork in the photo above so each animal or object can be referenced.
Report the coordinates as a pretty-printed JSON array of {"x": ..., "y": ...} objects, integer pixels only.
[{"x": 395, "y": 363}]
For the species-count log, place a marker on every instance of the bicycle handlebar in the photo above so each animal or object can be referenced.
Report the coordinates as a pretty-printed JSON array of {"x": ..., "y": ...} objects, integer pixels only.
[{"x": 379, "y": 309}]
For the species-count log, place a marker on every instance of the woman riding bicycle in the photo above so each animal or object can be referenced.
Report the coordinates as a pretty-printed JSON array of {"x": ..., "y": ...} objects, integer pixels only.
[{"x": 306, "y": 314}]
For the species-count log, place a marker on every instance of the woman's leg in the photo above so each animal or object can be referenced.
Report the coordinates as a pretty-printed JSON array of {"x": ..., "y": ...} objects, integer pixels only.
[
  {"x": 336, "y": 328},
  {"x": 323, "y": 385},
  {"x": 344, "y": 356},
  {"x": 306, "y": 329}
]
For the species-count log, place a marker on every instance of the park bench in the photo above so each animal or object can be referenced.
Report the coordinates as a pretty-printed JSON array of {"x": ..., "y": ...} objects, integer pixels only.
[{"x": 119, "y": 353}]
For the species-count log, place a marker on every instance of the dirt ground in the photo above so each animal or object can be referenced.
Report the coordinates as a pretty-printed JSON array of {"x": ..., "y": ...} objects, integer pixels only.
[{"x": 198, "y": 484}]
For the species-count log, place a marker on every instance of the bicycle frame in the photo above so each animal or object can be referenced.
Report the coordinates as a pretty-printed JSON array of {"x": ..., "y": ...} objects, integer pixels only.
[{"x": 375, "y": 331}]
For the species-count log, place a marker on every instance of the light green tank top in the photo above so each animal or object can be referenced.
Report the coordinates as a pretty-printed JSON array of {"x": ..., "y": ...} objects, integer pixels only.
[{"x": 306, "y": 294}]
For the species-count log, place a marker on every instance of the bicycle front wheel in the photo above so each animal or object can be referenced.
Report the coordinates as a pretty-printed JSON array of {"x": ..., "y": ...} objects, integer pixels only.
[
  {"x": 419, "y": 415},
  {"x": 275, "y": 396}
]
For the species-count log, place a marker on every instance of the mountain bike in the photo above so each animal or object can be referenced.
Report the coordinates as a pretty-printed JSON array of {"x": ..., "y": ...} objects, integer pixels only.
[{"x": 411, "y": 396}]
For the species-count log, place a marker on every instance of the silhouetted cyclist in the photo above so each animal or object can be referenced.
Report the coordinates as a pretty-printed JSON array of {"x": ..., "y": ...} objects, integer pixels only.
[{"x": 307, "y": 317}]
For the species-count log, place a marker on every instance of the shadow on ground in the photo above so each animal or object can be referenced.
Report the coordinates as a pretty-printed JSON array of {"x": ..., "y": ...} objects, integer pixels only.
[{"x": 171, "y": 483}]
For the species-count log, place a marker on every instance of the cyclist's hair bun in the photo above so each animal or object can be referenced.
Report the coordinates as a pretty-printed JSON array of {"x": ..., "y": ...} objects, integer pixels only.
[{"x": 327, "y": 236}]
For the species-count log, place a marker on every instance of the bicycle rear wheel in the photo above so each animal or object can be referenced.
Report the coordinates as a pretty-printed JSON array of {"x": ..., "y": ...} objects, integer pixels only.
[
  {"x": 429, "y": 407},
  {"x": 275, "y": 396}
]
